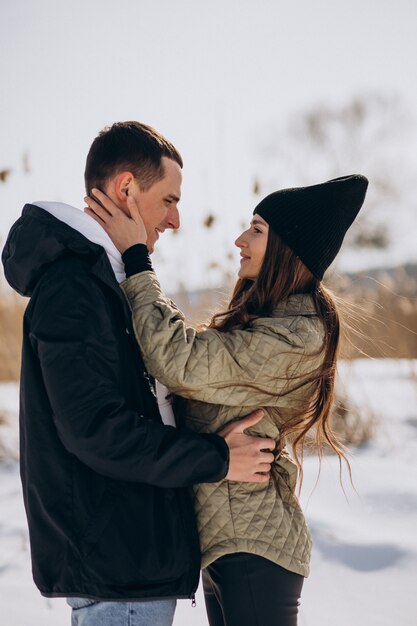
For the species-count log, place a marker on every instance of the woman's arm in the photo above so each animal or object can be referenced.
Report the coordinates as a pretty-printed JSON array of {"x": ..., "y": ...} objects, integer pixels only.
[{"x": 238, "y": 368}]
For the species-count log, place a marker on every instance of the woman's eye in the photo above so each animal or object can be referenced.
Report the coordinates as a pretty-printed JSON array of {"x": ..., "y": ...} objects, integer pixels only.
[
  {"x": 168, "y": 201},
  {"x": 257, "y": 230}
]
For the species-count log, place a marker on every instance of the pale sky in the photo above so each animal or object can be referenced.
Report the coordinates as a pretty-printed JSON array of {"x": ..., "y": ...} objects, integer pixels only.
[{"x": 211, "y": 76}]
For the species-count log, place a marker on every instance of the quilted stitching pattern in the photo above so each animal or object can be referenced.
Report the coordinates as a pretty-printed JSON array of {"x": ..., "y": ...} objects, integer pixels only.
[
  {"x": 236, "y": 517},
  {"x": 225, "y": 376}
]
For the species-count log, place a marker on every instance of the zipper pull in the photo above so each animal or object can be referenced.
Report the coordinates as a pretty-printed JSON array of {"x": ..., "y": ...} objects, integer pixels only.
[{"x": 193, "y": 602}]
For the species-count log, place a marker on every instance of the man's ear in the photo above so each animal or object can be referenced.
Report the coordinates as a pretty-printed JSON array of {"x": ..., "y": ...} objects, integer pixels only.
[{"x": 122, "y": 185}]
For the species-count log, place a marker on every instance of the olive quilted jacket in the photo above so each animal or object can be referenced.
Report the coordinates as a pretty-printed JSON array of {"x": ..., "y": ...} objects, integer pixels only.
[{"x": 224, "y": 376}]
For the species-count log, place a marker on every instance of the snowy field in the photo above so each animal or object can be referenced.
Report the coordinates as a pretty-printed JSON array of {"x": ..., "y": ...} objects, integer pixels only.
[{"x": 364, "y": 567}]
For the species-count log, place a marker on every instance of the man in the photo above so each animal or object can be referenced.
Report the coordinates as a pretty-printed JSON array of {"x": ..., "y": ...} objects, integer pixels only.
[{"x": 104, "y": 479}]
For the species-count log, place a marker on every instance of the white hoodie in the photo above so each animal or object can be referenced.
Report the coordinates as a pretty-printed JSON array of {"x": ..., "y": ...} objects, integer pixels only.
[{"x": 84, "y": 224}]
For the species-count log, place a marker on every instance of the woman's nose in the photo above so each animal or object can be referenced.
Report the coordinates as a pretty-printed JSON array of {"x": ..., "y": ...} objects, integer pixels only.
[{"x": 240, "y": 241}]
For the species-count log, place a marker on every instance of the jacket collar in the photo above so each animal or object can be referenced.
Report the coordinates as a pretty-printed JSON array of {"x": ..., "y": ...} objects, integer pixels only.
[
  {"x": 38, "y": 239},
  {"x": 297, "y": 304}
]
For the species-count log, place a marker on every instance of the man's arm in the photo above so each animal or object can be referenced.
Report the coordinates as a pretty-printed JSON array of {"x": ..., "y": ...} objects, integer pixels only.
[{"x": 71, "y": 332}]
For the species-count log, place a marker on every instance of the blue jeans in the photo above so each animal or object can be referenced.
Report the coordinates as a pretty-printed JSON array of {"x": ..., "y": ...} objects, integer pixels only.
[{"x": 87, "y": 612}]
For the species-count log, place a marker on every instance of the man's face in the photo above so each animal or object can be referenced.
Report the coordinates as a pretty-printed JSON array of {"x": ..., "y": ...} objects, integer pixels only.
[{"x": 158, "y": 205}]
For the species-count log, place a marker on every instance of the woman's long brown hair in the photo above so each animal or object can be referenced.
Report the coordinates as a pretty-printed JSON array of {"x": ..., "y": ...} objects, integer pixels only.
[{"x": 283, "y": 274}]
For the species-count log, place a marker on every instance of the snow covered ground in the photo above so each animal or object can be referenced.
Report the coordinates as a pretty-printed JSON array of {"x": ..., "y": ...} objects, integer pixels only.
[{"x": 364, "y": 567}]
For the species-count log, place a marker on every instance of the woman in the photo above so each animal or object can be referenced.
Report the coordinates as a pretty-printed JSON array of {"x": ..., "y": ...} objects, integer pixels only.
[{"x": 274, "y": 347}]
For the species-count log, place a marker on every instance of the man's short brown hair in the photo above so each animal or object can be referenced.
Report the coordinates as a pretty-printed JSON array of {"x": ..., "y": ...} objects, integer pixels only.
[{"x": 128, "y": 146}]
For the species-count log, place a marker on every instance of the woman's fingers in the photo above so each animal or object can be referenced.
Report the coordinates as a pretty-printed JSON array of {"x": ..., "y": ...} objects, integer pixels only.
[
  {"x": 133, "y": 209},
  {"x": 124, "y": 230},
  {"x": 95, "y": 217},
  {"x": 103, "y": 201},
  {"x": 96, "y": 211}
]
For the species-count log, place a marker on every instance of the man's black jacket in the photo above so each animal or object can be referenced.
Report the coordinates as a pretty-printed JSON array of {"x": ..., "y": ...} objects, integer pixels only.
[{"x": 104, "y": 481}]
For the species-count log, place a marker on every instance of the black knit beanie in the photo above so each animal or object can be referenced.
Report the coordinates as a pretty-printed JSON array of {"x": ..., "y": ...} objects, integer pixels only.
[{"x": 313, "y": 220}]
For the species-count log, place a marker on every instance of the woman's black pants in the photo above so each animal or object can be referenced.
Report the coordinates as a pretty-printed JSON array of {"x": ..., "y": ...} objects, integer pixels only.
[{"x": 247, "y": 590}]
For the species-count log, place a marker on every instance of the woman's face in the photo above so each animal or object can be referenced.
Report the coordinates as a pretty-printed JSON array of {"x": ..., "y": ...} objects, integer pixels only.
[{"x": 252, "y": 244}]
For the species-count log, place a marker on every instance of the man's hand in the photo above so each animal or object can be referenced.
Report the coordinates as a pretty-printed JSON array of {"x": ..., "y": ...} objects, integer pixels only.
[{"x": 248, "y": 455}]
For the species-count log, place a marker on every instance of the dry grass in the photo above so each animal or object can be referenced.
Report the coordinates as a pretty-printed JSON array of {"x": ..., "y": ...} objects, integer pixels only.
[
  {"x": 381, "y": 310},
  {"x": 11, "y": 314},
  {"x": 380, "y": 306},
  {"x": 8, "y": 443},
  {"x": 353, "y": 425}
]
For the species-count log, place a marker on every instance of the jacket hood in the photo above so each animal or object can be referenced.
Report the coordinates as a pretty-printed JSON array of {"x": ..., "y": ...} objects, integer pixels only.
[{"x": 38, "y": 239}]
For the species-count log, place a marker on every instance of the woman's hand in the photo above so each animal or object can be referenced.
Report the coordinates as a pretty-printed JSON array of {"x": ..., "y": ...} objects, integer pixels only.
[{"x": 124, "y": 231}]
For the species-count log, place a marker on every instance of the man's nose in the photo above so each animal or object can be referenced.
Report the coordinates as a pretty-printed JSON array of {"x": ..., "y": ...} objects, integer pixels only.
[{"x": 173, "y": 219}]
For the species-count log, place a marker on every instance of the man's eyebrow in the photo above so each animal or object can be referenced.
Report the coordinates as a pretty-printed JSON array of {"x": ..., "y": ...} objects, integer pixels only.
[{"x": 171, "y": 196}]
